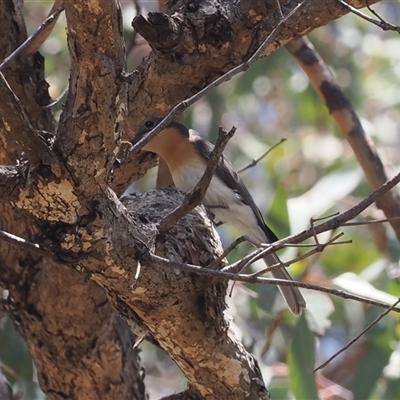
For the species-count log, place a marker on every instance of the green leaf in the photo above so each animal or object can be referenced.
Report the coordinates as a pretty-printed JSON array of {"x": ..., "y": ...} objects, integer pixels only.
[
  {"x": 392, "y": 389},
  {"x": 278, "y": 391},
  {"x": 15, "y": 354},
  {"x": 278, "y": 216},
  {"x": 301, "y": 362}
]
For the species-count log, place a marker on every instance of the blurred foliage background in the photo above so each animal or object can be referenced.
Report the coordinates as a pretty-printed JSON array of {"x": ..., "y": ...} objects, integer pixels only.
[{"x": 310, "y": 175}]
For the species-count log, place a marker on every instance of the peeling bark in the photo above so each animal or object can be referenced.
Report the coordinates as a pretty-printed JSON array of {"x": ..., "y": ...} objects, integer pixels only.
[
  {"x": 80, "y": 346},
  {"x": 182, "y": 312}
]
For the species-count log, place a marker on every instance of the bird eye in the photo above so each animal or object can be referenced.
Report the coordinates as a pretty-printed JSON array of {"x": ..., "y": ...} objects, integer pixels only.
[{"x": 149, "y": 124}]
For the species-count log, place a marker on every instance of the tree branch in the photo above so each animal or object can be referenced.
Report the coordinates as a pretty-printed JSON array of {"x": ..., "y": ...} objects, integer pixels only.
[
  {"x": 349, "y": 344},
  {"x": 224, "y": 78},
  {"x": 193, "y": 198},
  {"x": 81, "y": 348},
  {"x": 90, "y": 140},
  {"x": 255, "y": 161},
  {"x": 349, "y": 123},
  {"x": 236, "y": 34},
  {"x": 193, "y": 308},
  {"x": 33, "y": 43},
  {"x": 386, "y": 26}
]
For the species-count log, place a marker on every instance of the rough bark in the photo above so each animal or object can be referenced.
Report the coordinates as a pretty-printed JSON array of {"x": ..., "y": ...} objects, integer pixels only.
[
  {"x": 183, "y": 313},
  {"x": 73, "y": 212},
  {"x": 80, "y": 347},
  {"x": 199, "y": 41}
]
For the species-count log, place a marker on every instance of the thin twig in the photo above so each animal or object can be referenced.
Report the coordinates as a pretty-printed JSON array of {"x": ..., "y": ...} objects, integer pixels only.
[
  {"x": 386, "y": 26},
  {"x": 54, "y": 102},
  {"x": 334, "y": 223},
  {"x": 325, "y": 217},
  {"x": 319, "y": 247},
  {"x": 229, "y": 249},
  {"x": 262, "y": 252},
  {"x": 372, "y": 222},
  {"x": 24, "y": 244},
  {"x": 304, "y": 245},
  {"x": 272, "y": 327},
  {"x": 193, "y": 198},
  {"x": 41, "y": 36},
  {"x": 376, "y": 14},
  {"x": 257, "y": 160},
  {"x": 279, "y": 7},
  {"x": 32, "y": 38},
  {"x": 166, "y": 263},
  {"x": 329, "y": 225},
  {"x": 223, "y": 78},
  {"x": 338, "y": 221},
  {"x": 374, "y": 322}
]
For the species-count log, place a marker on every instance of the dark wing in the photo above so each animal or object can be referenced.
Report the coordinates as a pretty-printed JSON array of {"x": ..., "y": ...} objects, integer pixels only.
[{"x": 226, "y": 172}]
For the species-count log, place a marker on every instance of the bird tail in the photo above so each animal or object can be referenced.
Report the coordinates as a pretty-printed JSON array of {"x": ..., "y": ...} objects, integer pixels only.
[{"x": 292, "y": 295}]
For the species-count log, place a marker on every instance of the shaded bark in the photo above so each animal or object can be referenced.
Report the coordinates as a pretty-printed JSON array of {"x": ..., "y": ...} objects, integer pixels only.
[{"x": 80, "y": 347}]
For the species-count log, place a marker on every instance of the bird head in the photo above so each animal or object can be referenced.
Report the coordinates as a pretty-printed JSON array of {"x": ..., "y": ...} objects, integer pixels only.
[{"x": 170, "y": 136}]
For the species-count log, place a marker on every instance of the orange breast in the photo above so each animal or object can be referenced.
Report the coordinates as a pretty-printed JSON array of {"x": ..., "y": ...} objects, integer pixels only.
[{"x": 175, "y": 149}]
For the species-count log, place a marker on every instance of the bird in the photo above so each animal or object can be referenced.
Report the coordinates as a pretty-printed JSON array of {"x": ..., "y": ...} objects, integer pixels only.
[{"x": 186, "y": 154}]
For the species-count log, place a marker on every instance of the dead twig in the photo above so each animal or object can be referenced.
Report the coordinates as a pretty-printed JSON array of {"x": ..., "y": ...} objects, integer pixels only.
[
  {"x": 31, "y": 41},
  {"x": 384, "y": 25},
  {"x": 223, "y": 78},
  {"x": 193, "y": 198},
  {"x": 40, "y": 36},
  {"x": 229, "y": 249},
  {"x": 165, "y": 263},
  {"x": 372, "y": 222},
  {"x": 257, "y": 160},
  {"x": 24, "y": 244},
  {"x": 349, "y": 344},
  {"x": 319, "y": 247}
]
